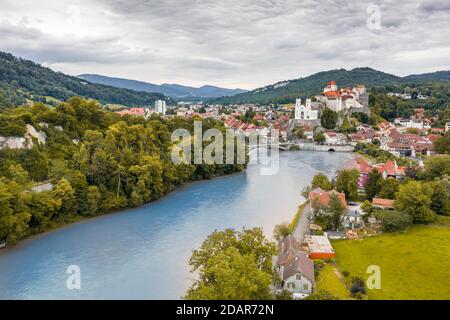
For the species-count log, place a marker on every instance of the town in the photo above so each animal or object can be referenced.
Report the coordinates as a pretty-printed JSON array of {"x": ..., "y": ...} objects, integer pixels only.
[{"x": 358, "y": 202}]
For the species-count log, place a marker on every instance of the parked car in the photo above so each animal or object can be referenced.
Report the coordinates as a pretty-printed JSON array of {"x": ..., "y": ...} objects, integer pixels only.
[{"x": 2, "y": 244}]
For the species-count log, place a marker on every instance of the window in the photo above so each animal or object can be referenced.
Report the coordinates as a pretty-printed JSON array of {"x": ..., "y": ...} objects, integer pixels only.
[
  {"x": 298, "y": 276},
  {"x": 291, "y": 285},
  {"x": 305, "y": 287}
]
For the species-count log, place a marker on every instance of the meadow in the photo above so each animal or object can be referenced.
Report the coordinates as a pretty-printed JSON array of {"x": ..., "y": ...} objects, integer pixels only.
[{"x": 414, "y": 264}]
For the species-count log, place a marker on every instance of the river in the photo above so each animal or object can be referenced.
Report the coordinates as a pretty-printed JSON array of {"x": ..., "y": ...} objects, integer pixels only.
[{"x": 143, "y": 253}]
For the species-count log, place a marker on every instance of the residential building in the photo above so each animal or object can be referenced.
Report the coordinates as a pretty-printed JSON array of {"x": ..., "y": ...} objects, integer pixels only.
[
  {"x": 320, "y": 198},
  {"x": 160, "y": 106},
  {"x": 298, "y": 275},
  {"x": 333, "y": 138},
  {"x": 296, "y": 270},
  {"x": 353, "y": 217}
]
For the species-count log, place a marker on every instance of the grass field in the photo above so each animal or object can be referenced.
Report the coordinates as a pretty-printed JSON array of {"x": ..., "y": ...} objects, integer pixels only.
[
  {"x": 329, "y": 281},
  {"x": 414, "y": 264}
]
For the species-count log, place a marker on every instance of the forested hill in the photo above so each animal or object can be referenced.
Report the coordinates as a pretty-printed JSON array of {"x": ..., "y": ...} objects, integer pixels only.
[
  {"x": 96, "y": 160},
  {"x": 287, "y": 91},
  {"x": 22, "y": 79}
]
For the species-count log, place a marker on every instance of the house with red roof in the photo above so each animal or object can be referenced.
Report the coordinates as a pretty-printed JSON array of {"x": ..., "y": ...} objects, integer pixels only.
[
  {"x": 363, "y": 167},
  {"x": 320, "y": 198},
  {"x": 390, "y": 169},
  {"x": 386, "y": 204}
]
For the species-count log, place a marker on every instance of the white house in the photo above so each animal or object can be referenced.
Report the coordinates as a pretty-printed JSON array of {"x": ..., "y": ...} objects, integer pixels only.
[
  {"x": 353, "y": 217},
  {"x": 333, "y": 138},
  {"x": 305, "y": 112},
  {"x": 298, "y": 275},
  {"x": 296, "y": 270}
]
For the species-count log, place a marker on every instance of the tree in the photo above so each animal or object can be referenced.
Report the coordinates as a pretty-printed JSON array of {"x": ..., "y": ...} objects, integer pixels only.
[
  {"x": 319, "y": 138},
  {"x": 93, "y": 198},
  {"x": 281, "y": 230},
  {"x": 233, "y": 265},
  {"x": 435, "y": 167},
  {"x": 335, "y": 209},
  {"x": 229, "y": 275},
  {"x": 393, "y": 221},
  {"x": 299, "y": 133},
  {"x": 414, "y": 198},
  {"x": 17, "y": 174},
  {"x": 440, "y": 199},
  {"x": 247, "y": 241},
  {"x": 367, "y": 207},
  {"x": 14, "y": 213},
  {"x": 64, "y": 192},
  {"x": 328, "y": 118},
  {"x": 442, "y": 144},
  {"x": 347, "y": 182},
  {"x": 320, "y": 180},
  {"x": 388, "y": 188},
  {"x": 373, "y": 184}
]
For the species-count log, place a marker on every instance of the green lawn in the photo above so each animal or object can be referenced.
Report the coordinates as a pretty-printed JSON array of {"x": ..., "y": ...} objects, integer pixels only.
[
  {"x": 414, "y": 264},
  {"x": 329, "y": 281}
]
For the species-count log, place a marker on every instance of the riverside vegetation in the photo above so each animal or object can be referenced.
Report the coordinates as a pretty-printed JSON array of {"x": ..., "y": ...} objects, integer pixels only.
[{"x": 96, "y": 160}]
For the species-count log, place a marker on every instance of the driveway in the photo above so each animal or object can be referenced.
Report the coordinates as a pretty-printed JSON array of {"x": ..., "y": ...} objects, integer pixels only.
[{"x": 302, "y": 227}]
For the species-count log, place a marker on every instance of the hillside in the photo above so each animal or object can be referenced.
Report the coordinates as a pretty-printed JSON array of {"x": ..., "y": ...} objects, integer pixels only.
[
  {"x": 287, "y": 91},
  {"x": 433, "y": 76},
  {"x": 171, "y": 90},
  {"x": 22, "y": 80}
]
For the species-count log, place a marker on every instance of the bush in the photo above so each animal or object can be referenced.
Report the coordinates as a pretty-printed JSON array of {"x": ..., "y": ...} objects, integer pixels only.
[
  {"x": 358, "y": 287},
  {"x": 392, "y": 221},
  {"x": 321, "y": 295}
]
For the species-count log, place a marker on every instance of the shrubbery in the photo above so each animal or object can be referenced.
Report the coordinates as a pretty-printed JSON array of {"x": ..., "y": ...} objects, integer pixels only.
[{"x": 392, "y": 221}]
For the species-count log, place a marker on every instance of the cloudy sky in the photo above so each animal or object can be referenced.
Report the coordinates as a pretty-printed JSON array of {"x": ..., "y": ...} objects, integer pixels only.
[{"x": 230, "y": 43}]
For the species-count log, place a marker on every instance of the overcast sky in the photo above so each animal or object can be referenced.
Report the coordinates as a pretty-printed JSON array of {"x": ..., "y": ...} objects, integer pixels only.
[{"x": 230, "y": 43}]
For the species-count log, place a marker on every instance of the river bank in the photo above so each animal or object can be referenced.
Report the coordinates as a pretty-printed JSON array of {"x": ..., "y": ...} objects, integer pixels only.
[
  {"x": 73, "y": 220},
  {"x": 143, "y": 252}
]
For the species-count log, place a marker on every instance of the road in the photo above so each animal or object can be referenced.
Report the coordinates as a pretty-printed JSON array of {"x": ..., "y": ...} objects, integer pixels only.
[{"x": 302, "y": 227}]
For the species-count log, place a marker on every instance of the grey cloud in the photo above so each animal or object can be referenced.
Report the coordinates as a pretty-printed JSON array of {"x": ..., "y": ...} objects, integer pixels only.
[{"x": 243, "y": 42}]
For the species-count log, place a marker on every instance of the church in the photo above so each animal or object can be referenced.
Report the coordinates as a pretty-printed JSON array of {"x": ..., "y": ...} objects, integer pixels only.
[{"x": 306, "y": 112}]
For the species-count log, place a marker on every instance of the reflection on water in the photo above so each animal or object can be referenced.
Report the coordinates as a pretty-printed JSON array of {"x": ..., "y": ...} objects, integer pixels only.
[{"x": 142, "y": 253}]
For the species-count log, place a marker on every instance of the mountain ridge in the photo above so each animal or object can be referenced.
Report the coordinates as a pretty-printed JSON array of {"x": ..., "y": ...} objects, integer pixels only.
[
  {"x": 286, "y": 91},
  {"x": 23, "y": 80},
  {"x": 170, "y": 89}
]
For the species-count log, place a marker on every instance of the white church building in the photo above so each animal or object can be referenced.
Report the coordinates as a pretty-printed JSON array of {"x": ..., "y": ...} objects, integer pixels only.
[{"x": 305, "y": 112}]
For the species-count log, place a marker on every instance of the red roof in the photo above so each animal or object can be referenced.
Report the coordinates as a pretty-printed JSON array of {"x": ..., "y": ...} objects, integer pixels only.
[
  {"x": 390, "y": 167},
  {"x": 333, "y": 94},
  {"x": 258, "y": 117},
  {"x": 132, "y": 111},
  {"x": 323, "y": 197},
  {"x": 332, "y": 82},
  {"x": 386, "y": 203},
  {"x": 433, "y": 137}
]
